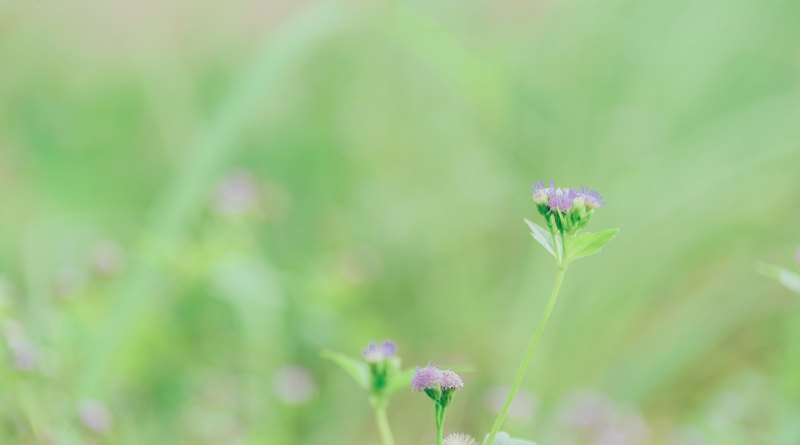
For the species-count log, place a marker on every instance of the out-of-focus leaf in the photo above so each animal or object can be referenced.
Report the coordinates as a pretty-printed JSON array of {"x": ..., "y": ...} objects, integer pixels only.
[
  {"x": 786, "y": 277},
  {"x": 589, "y": 243},
  {"x": 357, "y": 369},
  {"x": 543, "y": 236}
]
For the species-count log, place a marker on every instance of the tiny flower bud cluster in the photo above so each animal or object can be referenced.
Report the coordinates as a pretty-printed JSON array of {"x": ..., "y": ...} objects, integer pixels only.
[
  {"x": 566, "y": 210},
  {"x": 384, "y": 365},
  {"x": 376, "y": 353},
  {"x": 438, "y": 384}
]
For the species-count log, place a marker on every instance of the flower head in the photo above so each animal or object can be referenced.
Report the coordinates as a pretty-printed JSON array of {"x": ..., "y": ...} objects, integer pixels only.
[
  {"x": 542, "y": 192},
  {"x": 562, "y": 199},
  {"x": 376, "y": 353},
  {"x": 459, "y": 439},
  {"x": 451, "y": 380},
  {"x": 565, "y": 210},
  {"x": 429, "y": 377},
  {"x": 592, "y": 198}
]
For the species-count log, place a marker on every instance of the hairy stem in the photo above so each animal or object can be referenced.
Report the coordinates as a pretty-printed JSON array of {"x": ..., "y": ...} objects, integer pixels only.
[{"x": 523, "y": 367}]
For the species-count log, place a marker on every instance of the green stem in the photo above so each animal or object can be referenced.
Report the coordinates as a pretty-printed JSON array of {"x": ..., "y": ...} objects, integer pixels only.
[
  {"x": 383, "y": 425},
  {"x": 440, "y": 424},
  {"x": 523, "y": 367}
]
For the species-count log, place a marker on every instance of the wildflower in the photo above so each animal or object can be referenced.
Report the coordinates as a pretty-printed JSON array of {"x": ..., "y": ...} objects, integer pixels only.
[
  {"x": 553, "y": 198},
  {"x": 562, "y": 199},
  {"x": 459, "y": 439},
  {"x": 429, "y": 377},
  {"x": 439, "y": 386},
  {"x": 376, "y": 353},
  {"x": 380, "y": 375},
  {"x": 451, "y": 380},
  {"x": 542, "y": 193},
  {"x": 565, "y": 210},
  {"x": 592, "y": 198}
]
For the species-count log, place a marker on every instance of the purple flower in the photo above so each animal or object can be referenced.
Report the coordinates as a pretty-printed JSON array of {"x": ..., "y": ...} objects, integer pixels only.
[
  {"x": 592, "y": 198},
  {"x": 429, "y": 377},
  {"x": 451, "y": 380},
  {"x": 562, "y": 199},
  {"x": 389, "y": 349},
  {"x": 542, "y": 193},
  {"x": 376, "y": 353}
]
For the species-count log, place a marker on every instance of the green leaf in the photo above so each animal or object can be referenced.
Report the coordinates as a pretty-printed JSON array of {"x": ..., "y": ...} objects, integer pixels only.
[
  {"x": 543, "y": 236},
  {"x": 786, "y": 277},
  {"x": 357, "y": 369},
  {"x": 505, "y": 439},
  {"x": 589, "y": 243}
]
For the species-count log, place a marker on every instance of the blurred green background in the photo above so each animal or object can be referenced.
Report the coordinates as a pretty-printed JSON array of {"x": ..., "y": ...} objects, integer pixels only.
[{"x": 197, "y": 197}]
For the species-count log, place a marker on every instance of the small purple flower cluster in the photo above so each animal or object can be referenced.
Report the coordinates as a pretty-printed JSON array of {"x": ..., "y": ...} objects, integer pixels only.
[
  {"x": 378, "y": 352},
  {"x": 554, "y": 198},
  {"x": 431, "y": 377}
]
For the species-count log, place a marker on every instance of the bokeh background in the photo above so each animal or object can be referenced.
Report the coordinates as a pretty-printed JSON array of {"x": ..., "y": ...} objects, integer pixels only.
[{"x": 198, "y": 197}]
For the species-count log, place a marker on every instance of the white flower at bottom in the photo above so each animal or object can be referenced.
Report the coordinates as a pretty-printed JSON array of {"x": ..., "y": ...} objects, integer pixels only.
[{"x": 459, "y": 439}]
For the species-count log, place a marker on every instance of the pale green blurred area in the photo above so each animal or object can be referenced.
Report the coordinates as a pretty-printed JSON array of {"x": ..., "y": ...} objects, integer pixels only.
[{"x": 378, "y": 159}]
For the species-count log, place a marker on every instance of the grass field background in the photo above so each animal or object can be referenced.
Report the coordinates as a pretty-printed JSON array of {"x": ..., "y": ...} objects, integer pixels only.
[{"x": 198, "y": 197}]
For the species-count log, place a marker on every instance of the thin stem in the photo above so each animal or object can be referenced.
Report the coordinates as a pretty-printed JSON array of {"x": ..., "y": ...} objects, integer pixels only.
[
  {"x": 440, "y": 424},
  {"x": 383, "y": 425},
  {"x": 523, "y": 367}
]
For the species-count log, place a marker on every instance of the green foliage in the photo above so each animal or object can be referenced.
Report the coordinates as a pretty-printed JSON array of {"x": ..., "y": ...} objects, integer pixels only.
[
  {"x": 544, "y": 237},
  {"x": 579, "y": 246},
  {"x": 589, "y": 243}
]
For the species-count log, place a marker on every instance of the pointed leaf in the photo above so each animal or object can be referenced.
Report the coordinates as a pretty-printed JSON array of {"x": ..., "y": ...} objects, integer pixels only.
[
  {"x": 357, "y": 369},
  {"x": 543, "y": 236},
  {"x": 786, "y": 277},
  {"x": 589, "y": 243},
  {"x": 505, "y": 439}
]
